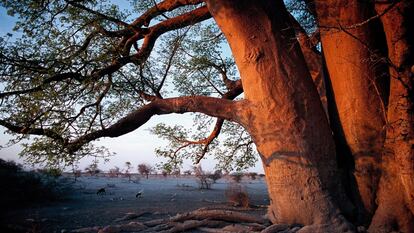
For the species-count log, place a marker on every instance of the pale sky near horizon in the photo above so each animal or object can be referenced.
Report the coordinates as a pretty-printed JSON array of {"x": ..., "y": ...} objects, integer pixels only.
[{"x": 136, "y": 147}]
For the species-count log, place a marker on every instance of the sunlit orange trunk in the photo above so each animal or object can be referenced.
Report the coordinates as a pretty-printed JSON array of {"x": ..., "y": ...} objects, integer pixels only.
[
  {"x": 396, "y": 193},
  {"x": 357, "y": 76},
  {"x": 283, "y": 114}
]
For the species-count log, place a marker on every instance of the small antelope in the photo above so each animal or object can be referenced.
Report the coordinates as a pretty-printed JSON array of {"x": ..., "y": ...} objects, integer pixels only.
[
  {"x": 101, "y": 191},
  {"x": 139, "y": 194}
]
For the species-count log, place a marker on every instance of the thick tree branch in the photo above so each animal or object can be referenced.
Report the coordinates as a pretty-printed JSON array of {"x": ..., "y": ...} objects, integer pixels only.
[
  {"x": 160, "y": 8},
  {"x": 236, "y": 90},
  {"x": 221, "y": 108},
  {"x": 189, "y": 18},
  {"x": 33, "y": 131}
]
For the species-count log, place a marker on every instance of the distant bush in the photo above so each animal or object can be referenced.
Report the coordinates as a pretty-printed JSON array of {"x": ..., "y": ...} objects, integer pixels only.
[
  {"x": 93, "y": 169},
  {"x": 252, "y": 175},
  {"x": 215, "y": 176},
  {"x": 53, "y": 172},
  {"x": 9, "y": 166},
  {"x": 187, "y": 172},
  {"x": 77, "y": 174},
  {"x": 237, "y": 176},
  {"x": 204, "y": 182},
  {"x": 236, "y": 195},
  {"x": 21, "y": 187},
  {"x": 114, "y": 172},
  {"x": 128, "y": 166},
  {"x": 145, "y": 169},
  {"x": 176, "y": 172}
]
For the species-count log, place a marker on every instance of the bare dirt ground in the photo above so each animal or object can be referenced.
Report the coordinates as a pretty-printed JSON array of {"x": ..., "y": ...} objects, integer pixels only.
[{"x": 161, "y": 198}]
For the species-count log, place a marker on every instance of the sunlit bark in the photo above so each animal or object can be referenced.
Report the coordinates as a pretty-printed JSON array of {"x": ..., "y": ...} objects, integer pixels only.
[
  {"x": 358, "y": 78},
  {"x": 285, "y": 116},
  {"x": 396, "y": 191}
]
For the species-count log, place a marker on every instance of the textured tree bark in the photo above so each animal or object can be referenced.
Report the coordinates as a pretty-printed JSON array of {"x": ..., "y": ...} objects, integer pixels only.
[
  {"x": 313, "y": 60},
  {"x": 358, "y": 78},
  {"x": 396, "y": 191},
  {"x": 283, "y": 114}
]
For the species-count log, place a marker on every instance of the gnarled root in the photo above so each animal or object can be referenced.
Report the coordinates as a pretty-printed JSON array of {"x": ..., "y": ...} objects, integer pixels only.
[
  {"x": 211, "y": 220},
  {"x": 337, "y": 224}
]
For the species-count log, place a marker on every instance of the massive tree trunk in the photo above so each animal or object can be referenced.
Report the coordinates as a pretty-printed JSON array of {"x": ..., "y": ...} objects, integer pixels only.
[
  {"x": 284, "y": 115},
  {"x": 358, "y": 78},
  {"x": 396, "y": 190}
]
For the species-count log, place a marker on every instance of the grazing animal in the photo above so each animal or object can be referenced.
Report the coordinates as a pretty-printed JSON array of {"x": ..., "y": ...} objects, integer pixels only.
[
  {"x": 139, "y": 194},
  {"x": 101, "y": 191}
]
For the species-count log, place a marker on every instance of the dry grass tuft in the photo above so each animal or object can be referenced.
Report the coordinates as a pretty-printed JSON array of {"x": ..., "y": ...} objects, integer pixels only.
[{"x": 236, "y": 195}]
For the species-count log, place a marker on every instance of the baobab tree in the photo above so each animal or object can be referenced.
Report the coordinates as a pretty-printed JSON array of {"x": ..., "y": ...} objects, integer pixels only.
[{"x": 333, "y": 126}]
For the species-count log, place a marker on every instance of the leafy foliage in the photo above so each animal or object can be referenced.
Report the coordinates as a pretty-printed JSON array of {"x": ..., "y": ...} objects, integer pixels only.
[{"x": 68, "y": 72}]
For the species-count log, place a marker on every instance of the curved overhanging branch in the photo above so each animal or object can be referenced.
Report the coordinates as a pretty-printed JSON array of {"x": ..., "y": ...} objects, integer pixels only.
[
  {"x": 192, "y": 17},
  {"x": 221, "y": 108},
  {"x": 161, "y": 8},
  {"x": 215, "y": 107}
]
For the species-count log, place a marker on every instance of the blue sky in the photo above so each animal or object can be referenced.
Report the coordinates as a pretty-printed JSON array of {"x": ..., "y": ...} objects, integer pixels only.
[
  {"x": 136, "y": 147},
  {"x": 6, "y": 22}
]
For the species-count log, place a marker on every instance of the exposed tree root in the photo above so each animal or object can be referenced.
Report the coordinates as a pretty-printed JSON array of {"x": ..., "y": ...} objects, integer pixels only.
[
  {"x": 335, "y": 225},
  {"x": 211, "y": 220},
  {"x": 215, "y": 221},
  {"x": 225, "y": 215}
]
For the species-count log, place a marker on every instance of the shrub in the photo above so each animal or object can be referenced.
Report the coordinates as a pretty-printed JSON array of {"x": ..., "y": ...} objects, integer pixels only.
[
  {"x": 128, "y": 166},
  {"x": 252, "y": 175},
  {"x": 236, "y": 195},
  {"x": 215, "y": 176},
  {"x": 77, "y": 174},
  {"x": 53, "y": 172},
  {"x": 114, "y": 172},
  {"x": 176, "y": 172},
  {"x": 93, "y": 169},
  {"x": 237, "y": 177},
  {"x": 9, "y": 166},
  {"x": 22, "y": 187},
  {"x": 145, "y": 169},
  {"x": 204, "y": 182}
]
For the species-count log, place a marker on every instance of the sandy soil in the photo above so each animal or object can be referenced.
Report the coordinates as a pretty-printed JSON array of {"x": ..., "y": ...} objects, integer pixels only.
[{"x": 161, "y": 197}]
